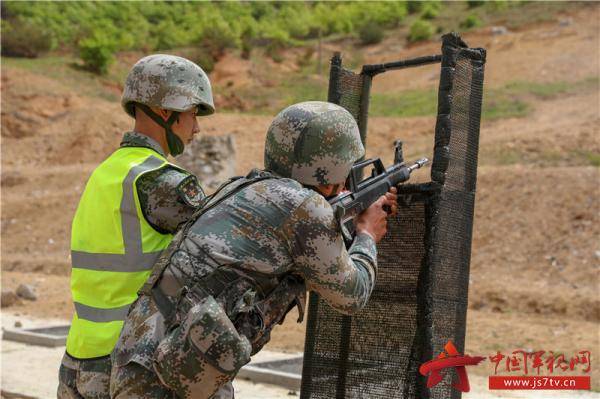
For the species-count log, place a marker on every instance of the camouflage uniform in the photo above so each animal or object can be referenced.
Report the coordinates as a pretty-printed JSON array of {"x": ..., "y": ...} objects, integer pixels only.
[
  {"x": 264, "y": 231},
  {"x": 84, "y": 378},
  {"x": 168, "y": 196}
]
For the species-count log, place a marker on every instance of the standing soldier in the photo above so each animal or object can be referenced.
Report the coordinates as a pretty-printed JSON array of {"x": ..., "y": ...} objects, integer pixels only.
[
  {"x": 243, "y": 261},
  {"x": 131, "y": 206}
]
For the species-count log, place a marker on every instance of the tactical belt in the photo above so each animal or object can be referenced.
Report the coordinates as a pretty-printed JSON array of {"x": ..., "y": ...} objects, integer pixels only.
[{"x": 212, "y": 284}]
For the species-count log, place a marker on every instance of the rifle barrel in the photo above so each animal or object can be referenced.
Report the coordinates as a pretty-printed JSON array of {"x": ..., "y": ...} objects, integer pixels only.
[{"x": 419, "y": 163}]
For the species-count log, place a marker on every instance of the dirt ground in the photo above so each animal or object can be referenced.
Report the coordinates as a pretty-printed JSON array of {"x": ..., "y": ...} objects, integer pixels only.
[{"x": 536, "y": 249}]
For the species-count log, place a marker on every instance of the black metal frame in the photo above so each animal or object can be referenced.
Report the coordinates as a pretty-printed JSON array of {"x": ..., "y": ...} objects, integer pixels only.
[{"x": 444, "y": 207}]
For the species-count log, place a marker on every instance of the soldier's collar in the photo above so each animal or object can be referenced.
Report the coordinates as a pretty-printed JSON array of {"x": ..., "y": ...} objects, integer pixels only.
[
  {"x": 136, "y": 139},
  {"x": 260, "y": 173}
]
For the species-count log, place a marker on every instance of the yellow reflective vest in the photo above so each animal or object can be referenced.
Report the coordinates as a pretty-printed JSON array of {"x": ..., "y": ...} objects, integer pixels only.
[{"x": 113, "y": 249}]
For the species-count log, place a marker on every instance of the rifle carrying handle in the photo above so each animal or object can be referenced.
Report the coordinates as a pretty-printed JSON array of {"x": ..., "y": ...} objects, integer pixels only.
[{"x": 355, "y": 172}]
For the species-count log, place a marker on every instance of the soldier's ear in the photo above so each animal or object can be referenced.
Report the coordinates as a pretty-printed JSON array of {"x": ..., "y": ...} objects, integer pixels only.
[
  {"x": 326, "y": 190},
  {"x": 163, "y": 113}
]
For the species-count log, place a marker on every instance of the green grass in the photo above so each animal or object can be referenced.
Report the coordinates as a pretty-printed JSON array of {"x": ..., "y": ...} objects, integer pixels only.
[
  {"x": 592, "y": 157},
  {"x": 514, "y": 100},
  {"x": 543, "y": 156},
  {"x": 503, "y": 156},
  {"x": 543, "y": 91},
  {"x": 502, "y": 103},
  {"x": 550, "y": 90},
  {"x": 511, "y": 14},
  {"x": 68, "y": 71},
  {"x": 303, "y": 90},
  {"x": 410, "y": 103},
  {"x": 510, "y": 101},
  {"x": 404, "y": 104}
]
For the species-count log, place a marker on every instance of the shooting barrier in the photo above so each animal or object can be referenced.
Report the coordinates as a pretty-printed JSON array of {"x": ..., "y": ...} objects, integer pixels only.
[{"x": 420, "y": 300}]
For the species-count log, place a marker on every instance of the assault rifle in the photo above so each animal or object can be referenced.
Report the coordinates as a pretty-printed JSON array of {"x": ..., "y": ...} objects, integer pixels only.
[{"x": 362, "y": 193}]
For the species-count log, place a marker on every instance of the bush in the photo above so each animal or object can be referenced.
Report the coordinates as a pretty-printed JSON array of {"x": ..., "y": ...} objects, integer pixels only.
[
  {"x": 24, "y": 39},
  {"x": 97, "y": 53},
  {"x": 167, "y": 35},
  {"x": 420, "y": 30},
  {"x": 414, "y": 6},
  {"x": 216, "y": 38},
  {"x": 429, "y": 12},
  {"x": 200, "y": 56},
  {"x": 305, "y": 59},
  {"x": 214, "y": 25},
  {"x": 275, "y": 52},
  {"x": 276, "y": 40},
  {"x": 246, "y": 49},
  {"x": 498, "y": 5},
  {"x": 370, "y": 33},
  {"x": 247, "y": 42},
  {"x": 475, "y": 3},
  {"x": 470, "y": 22}
]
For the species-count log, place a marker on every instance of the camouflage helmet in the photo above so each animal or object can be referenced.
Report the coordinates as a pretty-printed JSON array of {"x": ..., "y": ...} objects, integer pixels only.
[
  {"x": 314, "y": 143},
  {"x": 168, "y": 82}
]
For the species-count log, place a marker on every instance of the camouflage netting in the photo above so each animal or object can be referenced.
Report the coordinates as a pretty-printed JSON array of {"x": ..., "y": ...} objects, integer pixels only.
[{"x": 420, "y": 300}]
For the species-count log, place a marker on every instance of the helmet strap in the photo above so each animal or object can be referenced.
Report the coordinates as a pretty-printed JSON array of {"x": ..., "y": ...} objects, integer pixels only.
[{"x": 175, "y": 144}]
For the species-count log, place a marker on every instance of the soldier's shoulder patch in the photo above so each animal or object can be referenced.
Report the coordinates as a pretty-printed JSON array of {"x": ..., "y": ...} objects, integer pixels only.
[{"x": 190, "y": 192}]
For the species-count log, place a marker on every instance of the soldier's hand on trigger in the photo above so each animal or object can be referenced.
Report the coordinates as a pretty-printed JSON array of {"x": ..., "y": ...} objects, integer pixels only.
[{"x": 373, "y": 220}]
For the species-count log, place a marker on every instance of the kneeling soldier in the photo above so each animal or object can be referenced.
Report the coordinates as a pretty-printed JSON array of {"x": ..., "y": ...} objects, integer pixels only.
[{"x": 247, "y": 257}]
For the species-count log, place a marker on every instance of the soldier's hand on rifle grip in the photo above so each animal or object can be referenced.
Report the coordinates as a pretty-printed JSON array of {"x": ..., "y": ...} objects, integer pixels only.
[
  {"x": 373, "y": 220},
  {"x": 392, "y": 202}
]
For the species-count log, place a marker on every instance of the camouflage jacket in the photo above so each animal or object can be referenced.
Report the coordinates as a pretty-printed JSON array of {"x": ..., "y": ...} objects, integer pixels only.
[
  {"x": 271, "y": 228},
  {"x": 168, "y": 196}
]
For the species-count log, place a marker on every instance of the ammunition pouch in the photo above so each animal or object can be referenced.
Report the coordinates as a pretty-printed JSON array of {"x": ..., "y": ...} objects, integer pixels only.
[
  {"x": 204, "y": 352},
  {"x": 257, "y": 322},
  {"x": 203, "y": 348}
]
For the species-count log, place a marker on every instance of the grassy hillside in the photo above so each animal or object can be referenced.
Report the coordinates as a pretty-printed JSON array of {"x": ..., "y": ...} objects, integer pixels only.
[{"x": 95, "y": 31}]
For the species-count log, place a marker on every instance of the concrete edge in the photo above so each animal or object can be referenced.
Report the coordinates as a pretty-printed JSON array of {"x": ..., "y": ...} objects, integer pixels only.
[
  {"x": 33, "y": 338},
  {"x": 273, "y": 377},
  {"x": 13, "y": 395}
]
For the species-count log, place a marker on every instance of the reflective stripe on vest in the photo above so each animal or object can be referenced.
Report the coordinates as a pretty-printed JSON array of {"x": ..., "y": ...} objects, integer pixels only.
[{"x": 113, "y": 249}]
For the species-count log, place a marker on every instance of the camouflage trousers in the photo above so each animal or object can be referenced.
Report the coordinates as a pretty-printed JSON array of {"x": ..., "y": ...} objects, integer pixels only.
[
  {"x": 134, "y": 381},
  {"x": 84, "y": 379}
]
